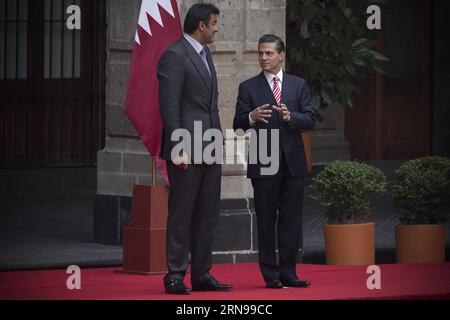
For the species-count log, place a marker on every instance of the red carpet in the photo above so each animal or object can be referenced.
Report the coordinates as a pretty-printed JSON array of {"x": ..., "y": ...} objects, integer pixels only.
[{"x": 328, "y": 282}]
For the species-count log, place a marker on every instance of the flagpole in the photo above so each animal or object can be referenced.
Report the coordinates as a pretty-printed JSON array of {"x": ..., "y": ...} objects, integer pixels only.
[{"x": 153, "y": 173}]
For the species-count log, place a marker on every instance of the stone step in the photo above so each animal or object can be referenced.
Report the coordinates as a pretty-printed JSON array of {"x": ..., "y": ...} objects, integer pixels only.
[{"x": 48, "y": 182}]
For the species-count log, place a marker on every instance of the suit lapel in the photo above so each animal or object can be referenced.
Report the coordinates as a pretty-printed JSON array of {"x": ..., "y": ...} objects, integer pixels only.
[
  {"x": 268, "y": 93},
  {"x": 198, "y": 64},
  {"x": 286, "y": 87},
  {"x": 213, "y": 70},
  {"x": 265, "y": 89}
]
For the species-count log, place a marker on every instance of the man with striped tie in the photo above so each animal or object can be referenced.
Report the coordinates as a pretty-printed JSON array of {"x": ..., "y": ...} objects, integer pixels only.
[{"x": 277, "y": 101}]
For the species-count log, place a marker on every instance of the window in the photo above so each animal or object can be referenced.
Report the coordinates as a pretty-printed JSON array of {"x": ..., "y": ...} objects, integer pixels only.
[
  {"x": 62, "y": 46},
  {"x": 13, "y": 39},
  {"x": 51, "y": 83}
]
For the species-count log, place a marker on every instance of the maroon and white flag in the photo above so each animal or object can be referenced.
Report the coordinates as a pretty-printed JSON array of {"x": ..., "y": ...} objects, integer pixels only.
[{"x": 159, "y": 27}]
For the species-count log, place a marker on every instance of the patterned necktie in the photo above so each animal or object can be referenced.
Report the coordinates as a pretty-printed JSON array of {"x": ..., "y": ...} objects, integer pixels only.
[
  {"x": 276, "y": 90},
  {"x": 205, "y": 61}
]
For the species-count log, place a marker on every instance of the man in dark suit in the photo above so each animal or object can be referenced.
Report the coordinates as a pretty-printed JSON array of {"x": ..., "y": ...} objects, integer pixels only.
[
  {"x": 188, "y": 93},
  {"x": 275, "y": 100}
]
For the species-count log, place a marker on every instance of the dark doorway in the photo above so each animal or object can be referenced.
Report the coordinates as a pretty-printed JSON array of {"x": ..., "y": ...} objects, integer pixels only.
[
  {"x": 392, "y": 119},
  {"x": 51, "y": 83}
]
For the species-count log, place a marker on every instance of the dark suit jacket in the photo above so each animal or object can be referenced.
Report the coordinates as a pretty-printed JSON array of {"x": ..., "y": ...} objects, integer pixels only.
[
  {"x": 256, "y": 92},
  {"x": 187, "y": 93}
]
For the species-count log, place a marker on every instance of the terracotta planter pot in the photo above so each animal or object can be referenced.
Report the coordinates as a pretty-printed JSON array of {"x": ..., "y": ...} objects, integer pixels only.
[
  {"x": 420, "y": 243},
  {"x": 306, "y": 136},
  {"x": 350, "y": 244}
]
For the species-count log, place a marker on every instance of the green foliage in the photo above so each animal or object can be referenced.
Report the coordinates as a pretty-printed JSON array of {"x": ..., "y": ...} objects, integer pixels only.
[
  {"x": 330, "y": 46},
  {"x": 345, "y": 190},
  {"x": 422, "y": 191}
]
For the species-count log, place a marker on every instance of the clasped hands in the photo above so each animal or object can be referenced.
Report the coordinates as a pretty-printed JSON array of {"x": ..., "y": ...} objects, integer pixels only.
[{"x": 263, "y": 113}]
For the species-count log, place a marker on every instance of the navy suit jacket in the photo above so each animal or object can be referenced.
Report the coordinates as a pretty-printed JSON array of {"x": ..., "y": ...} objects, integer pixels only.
[{"x": 256, "y": 92}]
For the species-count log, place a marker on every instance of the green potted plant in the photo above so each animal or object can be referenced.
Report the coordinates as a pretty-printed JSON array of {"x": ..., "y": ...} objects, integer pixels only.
[
  {"x": 421, "y": 196},
  {"x": 345, "y": 189}
]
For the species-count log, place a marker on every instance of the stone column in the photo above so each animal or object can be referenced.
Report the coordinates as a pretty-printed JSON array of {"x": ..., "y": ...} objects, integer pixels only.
[{"x": 124, "y": 161}]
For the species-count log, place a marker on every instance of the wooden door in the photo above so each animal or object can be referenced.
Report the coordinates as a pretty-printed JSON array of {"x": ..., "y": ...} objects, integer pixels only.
[
  {"x": 392, "y": 118},
  {"x": 407, "y": 109},
  {"x": 51, "y": 83}
]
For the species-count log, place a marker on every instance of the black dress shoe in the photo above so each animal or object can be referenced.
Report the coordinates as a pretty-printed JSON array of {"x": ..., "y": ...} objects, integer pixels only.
[
  {"x": 295, "y": 282},
  {"x": 208, "y": 283},
  {"x": 275, "y": 284},
  {"x": 175, "y": 286}
]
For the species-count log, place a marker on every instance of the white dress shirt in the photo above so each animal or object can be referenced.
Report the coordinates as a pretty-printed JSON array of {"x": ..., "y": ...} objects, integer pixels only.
[
  {"x": 270, "y": 77},
  {"x": 198, "y": 47}
]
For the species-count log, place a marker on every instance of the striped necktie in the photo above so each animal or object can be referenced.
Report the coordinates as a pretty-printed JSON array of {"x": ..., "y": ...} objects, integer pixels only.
[{"x": 276, "y": 90}]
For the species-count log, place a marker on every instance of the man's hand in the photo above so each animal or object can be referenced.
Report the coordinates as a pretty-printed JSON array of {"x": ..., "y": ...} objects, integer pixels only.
[
  {"x": 181, "y": 161},
  {"x": 261, "y": 114},
  {"x": 284, "y": 112}
]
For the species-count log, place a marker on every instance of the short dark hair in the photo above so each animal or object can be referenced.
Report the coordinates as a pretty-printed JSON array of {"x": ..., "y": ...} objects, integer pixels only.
[
  {"x": 271, "y": 38},
  {"x": 197, "y": 13}
]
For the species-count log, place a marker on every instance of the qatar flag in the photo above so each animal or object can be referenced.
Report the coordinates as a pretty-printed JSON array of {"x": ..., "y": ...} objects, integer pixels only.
[{"x": 159, "y": 26}]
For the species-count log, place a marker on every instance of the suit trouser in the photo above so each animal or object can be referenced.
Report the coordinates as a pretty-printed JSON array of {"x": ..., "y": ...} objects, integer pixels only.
[
  {"x": 194, "y": 200},
  {"x": 280, "y": 193}
]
